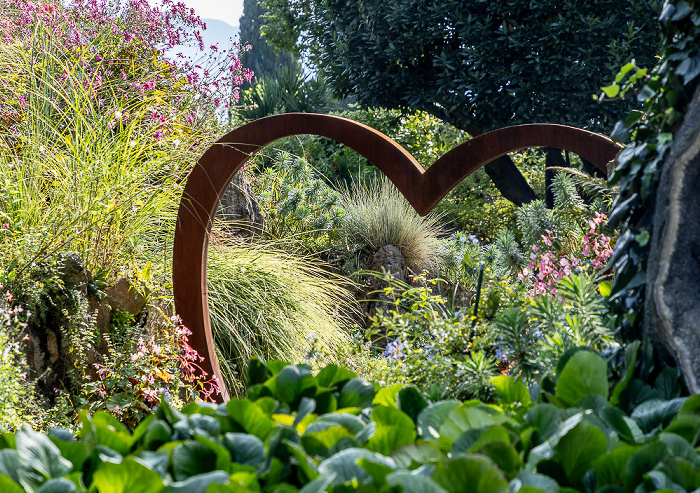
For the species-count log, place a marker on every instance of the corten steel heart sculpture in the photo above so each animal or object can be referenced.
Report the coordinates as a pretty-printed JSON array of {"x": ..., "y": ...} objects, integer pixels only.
[{"x": 422, "y": 188}]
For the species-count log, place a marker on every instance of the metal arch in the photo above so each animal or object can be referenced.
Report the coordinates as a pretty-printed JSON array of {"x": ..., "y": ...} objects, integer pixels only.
[{"x": 423, "y": 189}]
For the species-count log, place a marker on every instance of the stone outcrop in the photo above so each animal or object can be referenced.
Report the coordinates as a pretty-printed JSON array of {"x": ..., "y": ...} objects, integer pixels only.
[
  {"x": 672, "y": 311},
  {"x": 239, "y": 209}
]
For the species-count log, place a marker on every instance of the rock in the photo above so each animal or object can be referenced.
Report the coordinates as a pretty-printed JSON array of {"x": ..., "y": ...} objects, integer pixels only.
[
  {"x": 125, "y": 296},
  {"x": 70, "y": 268},
  {"x": 389, "y": 259},
  {"x": 239, "y": 208},
  {"x": 672, "y": 312}
]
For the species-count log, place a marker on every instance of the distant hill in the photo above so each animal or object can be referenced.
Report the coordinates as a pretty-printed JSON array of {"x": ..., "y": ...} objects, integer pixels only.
[{"x": 218, "y": 32}]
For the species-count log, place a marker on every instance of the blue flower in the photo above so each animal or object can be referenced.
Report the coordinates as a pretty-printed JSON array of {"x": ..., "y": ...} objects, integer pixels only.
[{"x": 395, "y": 349}]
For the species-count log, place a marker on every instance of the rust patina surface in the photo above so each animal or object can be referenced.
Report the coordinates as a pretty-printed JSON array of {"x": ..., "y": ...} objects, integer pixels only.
[{"x": 422, "y": 188}]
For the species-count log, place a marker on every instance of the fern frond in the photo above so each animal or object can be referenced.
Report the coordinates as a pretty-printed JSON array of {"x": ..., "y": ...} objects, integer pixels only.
[{"x": 593, "y": 186}]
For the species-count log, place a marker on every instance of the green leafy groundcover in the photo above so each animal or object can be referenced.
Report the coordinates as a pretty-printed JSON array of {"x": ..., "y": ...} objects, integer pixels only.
[{"x": 336, "y": 432}]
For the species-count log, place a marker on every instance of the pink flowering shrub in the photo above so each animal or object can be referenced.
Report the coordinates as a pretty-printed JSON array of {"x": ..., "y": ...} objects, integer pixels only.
[
  {"x": 140, "y": 370},
  {"x": 547, "y": 266},
  {"x": 110, "y": 53}
]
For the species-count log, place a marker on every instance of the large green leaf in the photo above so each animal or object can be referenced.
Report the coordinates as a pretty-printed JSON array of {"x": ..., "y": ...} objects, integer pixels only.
[
  {"x": 192, "y": 458},
  {"x": 431, "y": 418},
  {"x": 653, "y": 413},
  {"x": 388, "y": 396},
  {"x": 470, "y": 473},
  {"x": 535, "y": 481},
  {"x": 610, "y": 468},
  {"x": 304, "y": 460},
  {"x": 577, "y": 450},
  {"x": 546, "y": 450},
  {"x": 251, "y": 417},
  {"x": 585, "y": 373},
  {"x": 544, "y": 418},
  {"x": 463, "y": 419},
  {"x": 244, "y": 449},
  {"x": 7, "y": 485},
  {"x": 415, "y": 454},
  {"x": 320, "y": 442},
  {"x": 504, "y": 456},
  {"x": 332, "y": 375},
  {"x": 127, "y": 477},
  {"x": 630, "y": 361},
  {"x": 344, "y": 465},
  {"x": 111, "y": 433},
  {"x": 358, "y": 392},
  {"x": 394, "y": 428},
  {"x": 626, "y": 428},
  {"x": 412, "y": 402},
  {"x": 687, "y": 426},
  {"x": 413, "y": 483},
  {"x": 157, "y": 433},
  {"x": 644, "y": 460},
  {"x": 41, "y": 454},
  {"x": 57, "y": 485},
  {"x": 510, "y": 390},
  {"x": 291, "y": 383},
  {"x": 10, "y": 463},
  {"x": 680, "y": 448},
  {"x": 349, "y": 421},
  {"x": 199, "y": 483}
]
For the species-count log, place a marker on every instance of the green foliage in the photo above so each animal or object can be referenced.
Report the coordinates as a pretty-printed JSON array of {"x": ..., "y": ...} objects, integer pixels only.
[
  {"x": 335, "y": 432},
  {"x": 377, "y": 214},
  {"x": 270, "y": 304},
  {"x": 665, "y": 95},
  {"x": 299, "y": 207},
  {"x": 15, "y": 395},
  {"x": 477, "y": 206},
  {"x": 431, "y": 345},
  {"x": 92, "y": 161},
  {"x": 473, "y": 64},
  {"x": 287, "y": 90}
]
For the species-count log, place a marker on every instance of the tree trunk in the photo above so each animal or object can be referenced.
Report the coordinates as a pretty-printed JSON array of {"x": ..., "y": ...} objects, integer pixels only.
[
  {"x": 553, "y": 158},
  {"x": 506, "y": 176},
  {"x": 672, "y": 311},
  {"x": 503, "y": 172}
]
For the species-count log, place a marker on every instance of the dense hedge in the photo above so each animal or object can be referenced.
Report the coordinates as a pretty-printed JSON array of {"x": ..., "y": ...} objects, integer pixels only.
[{"x": 336, "y": 432}]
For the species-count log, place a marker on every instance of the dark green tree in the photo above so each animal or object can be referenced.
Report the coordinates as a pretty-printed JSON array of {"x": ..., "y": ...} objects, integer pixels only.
[
  {"x": 263, "y": 58},
  {"x": 476, "y": 64}
]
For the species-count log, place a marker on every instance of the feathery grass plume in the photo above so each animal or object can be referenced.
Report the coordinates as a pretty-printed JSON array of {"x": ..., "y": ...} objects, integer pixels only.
[
  {"x": 377, "y": 214},
  {"x": 97, "y": 130},
  {"x": 268, "y": 303}
]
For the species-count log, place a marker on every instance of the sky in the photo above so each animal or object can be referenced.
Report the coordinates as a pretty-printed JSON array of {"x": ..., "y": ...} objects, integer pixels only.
[{"x": 228, "y": 11}]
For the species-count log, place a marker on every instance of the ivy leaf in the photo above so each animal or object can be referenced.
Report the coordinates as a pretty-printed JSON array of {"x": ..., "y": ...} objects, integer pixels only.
[{"x": 611, "y": 91}]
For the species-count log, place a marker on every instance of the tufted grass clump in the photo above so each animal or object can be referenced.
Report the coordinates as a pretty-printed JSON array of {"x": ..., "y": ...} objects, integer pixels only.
[
  {"x": 273, "y": 305},
  {"x": 377, "y": 214}
]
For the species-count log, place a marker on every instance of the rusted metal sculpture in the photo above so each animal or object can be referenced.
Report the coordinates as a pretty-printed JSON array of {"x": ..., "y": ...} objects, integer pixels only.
[{"x": 422, "y": 188}]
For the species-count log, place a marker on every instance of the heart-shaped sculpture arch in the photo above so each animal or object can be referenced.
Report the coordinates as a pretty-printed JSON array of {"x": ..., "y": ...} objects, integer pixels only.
[{"x": 422, "y": 188}]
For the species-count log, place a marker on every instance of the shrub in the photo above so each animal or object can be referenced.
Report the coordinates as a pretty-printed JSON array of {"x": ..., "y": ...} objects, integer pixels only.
[
  {"x": 335, "y": 432},
  {"x": 377, "y": 214},
  {"x": 301, "y": 211},
  {"x": 98, "y": 127},
  {"x": 270, "y": 304},
  {"x": 16, "y": 400}
]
